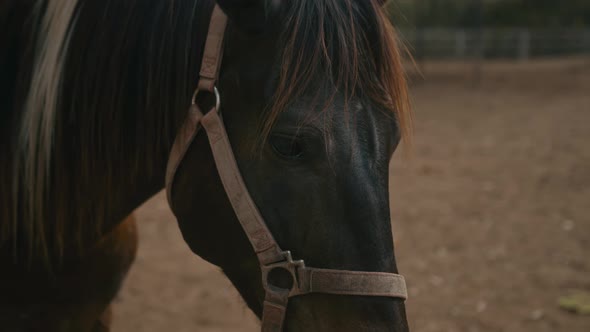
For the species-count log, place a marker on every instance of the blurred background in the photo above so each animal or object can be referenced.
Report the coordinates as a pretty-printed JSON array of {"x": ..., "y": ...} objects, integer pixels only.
[
  {"x": 490, "y": 207},
  {"x": 491, "y": 29}
]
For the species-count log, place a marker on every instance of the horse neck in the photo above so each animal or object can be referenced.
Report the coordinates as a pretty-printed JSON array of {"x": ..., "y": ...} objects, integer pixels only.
[
  {"x": 134, "y": 89},
  {"x": 125, "y": 84}
]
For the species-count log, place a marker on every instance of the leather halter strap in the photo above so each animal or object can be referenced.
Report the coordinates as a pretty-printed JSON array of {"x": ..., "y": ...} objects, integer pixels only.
[{"x": 270, "y": 255}]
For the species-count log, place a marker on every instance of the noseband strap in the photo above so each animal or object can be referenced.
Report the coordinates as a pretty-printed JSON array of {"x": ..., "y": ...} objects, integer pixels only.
[{"x": 270, "y": 256}]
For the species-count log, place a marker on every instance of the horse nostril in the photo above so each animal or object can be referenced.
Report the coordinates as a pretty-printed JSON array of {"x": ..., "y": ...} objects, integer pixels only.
[{"x": 281, "y": 278}]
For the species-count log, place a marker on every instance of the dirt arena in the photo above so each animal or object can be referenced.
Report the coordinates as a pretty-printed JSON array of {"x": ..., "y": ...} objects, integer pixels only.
[{"x": 491, "y": 213}]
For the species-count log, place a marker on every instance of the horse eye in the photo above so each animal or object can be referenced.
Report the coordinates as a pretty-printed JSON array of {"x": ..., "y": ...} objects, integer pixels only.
[{"x": 286, "y": 146}]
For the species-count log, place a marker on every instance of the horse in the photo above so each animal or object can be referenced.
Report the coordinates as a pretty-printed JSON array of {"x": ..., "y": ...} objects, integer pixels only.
[{"x": 94, "y": 93}]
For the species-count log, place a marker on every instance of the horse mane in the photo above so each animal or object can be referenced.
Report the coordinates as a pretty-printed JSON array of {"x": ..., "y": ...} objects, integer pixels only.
[
  {"x": 37, "y": 126},
  {"x": 109, "y": 74},
  {"x": 351, "y": 41}
]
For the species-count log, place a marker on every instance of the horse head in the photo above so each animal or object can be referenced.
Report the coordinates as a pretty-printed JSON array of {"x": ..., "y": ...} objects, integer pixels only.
[{"x": 314, "y": 101}]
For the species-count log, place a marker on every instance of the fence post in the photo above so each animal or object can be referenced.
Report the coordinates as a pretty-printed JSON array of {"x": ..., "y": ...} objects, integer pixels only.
[
  {"x": 460, "y": 43},
  {"x": 524, "y": 44},
  {"x": 585, "y": 44}
]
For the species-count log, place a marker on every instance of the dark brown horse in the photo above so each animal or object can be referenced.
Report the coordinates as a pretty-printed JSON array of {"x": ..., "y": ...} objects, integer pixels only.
[{"x": 93, "y": 93}]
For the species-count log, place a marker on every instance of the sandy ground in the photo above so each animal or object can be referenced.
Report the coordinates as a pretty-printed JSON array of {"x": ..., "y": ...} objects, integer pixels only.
[{"x": 490, "y": 212}]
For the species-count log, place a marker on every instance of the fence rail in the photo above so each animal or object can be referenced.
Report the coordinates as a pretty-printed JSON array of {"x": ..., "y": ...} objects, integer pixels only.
[{"x": 496, "y": 43}]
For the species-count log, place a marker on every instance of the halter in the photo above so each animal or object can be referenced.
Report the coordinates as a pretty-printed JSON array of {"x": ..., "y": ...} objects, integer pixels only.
[{"x": 270, "y": 256}]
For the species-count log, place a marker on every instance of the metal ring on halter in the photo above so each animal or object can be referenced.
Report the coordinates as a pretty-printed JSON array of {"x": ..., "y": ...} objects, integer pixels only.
[{"x": 217, "y": 97}]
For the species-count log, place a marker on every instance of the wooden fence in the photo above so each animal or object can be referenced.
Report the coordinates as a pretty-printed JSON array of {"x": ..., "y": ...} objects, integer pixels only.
[{"x": 495, "y": 43}]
